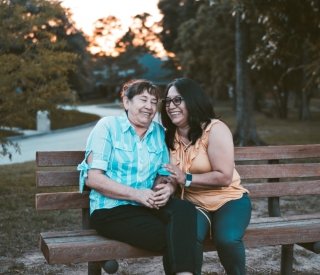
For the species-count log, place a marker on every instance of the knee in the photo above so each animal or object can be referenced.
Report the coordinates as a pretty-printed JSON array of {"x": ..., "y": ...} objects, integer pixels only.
[
  {"x": 227, "y": 241},
  {"x": 182, "y": 206}
]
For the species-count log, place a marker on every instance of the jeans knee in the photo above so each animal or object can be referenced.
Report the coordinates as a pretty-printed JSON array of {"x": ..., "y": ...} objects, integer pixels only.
[
  {"x": 227, "y": 243},
  {"x": 182, "y": 205}
]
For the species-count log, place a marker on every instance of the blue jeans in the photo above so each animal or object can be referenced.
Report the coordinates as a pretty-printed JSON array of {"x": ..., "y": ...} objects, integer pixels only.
[{"x": 228, "y": 225}]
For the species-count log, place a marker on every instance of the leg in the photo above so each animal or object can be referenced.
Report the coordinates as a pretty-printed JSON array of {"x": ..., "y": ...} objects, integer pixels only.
[
  {"x": 203, "y": 227},
  {"x": 134, "y": 225},
  {"x": 94, "y": 268},
  {"x": 286, "y": 259},
  {"x": 228, "y": 225},
  {"x": 180, "y": 217}
]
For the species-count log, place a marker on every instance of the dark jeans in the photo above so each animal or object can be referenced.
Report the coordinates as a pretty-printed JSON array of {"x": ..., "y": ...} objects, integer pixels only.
[
  {"x": 171, "y": 229},
  {"x": 228, "y": 225}
]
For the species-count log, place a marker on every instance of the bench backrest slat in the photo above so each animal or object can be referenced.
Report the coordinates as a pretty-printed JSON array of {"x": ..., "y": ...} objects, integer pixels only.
[
  {"x": 57, "y": 178},
  {"x": 269, "y": 171},
  {"x": 59, "y": 158},
  {"x": 61, "y": 200},
  {"x": 295, "y": 178},
  {"x": 262, "y": 171},
  {"x": 277, "y": 152},
  {"x": 72, "y": 158},
  {"x": 72, "y": 200}
]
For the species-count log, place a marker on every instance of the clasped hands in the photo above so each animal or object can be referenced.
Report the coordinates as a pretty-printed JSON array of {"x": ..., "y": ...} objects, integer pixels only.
[
  {"x": 163, "y": 188},
  {"x": 159, "y": 195}
]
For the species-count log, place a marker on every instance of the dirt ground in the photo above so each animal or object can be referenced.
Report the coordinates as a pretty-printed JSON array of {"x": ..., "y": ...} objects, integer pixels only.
[
  {"x": 262, "y": 261},
  {"x": 259, "y": 261}
]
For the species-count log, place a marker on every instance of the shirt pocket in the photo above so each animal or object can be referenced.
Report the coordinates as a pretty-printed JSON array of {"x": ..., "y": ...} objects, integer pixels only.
[
  {"x": 123, "y": 153},
  {"x": 155, "y": 155}
]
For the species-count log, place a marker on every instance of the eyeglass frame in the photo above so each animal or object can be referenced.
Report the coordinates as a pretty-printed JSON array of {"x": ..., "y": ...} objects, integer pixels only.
[{"x": 167, "y": 101}]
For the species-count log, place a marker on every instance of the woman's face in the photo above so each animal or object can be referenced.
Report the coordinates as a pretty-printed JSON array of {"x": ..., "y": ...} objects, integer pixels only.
[
  {"x": 176, "y": 108},
  {"x": 141, "y": 109}
]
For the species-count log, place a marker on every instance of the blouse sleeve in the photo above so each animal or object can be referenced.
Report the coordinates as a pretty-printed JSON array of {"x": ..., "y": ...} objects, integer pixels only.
[{"x": 100, "y": 145}]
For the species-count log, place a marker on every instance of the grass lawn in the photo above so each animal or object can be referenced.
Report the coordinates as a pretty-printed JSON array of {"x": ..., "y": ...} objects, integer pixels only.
[{"x": 20, "y": 224}]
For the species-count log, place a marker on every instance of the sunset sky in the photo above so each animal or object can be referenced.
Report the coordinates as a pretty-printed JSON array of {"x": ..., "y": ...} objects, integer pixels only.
[{"x": 86, "y": 12}]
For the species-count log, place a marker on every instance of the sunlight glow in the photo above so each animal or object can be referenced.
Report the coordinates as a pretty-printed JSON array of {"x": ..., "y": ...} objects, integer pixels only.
[{"x": 86, "y": 13}]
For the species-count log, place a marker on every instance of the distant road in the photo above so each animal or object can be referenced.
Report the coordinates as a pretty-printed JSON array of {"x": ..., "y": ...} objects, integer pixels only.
[{"x": 64, "y": 139}]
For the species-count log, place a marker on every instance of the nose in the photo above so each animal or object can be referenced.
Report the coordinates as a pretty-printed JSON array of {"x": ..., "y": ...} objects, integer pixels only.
[
  {"x": 148, "y": 104},
  {"x": 171, "y": 103}
]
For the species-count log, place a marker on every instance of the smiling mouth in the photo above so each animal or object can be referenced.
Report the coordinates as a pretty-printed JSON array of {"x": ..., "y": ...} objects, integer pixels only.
[
  {"x": 147, "y": 114},
  {"x": 174, "y": 113}
]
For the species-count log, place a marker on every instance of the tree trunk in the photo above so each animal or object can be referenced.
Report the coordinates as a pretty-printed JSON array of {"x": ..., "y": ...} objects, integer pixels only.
[
  {"x": 305, "y": 113},
  {"x": 246, "y": 133}
]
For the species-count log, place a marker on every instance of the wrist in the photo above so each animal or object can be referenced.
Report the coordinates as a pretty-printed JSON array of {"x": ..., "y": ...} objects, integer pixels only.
[{"x": 188, "y": 179}]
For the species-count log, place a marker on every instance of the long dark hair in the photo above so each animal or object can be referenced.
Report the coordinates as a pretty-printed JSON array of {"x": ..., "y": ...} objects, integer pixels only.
[{"x": 198, "y": 104}]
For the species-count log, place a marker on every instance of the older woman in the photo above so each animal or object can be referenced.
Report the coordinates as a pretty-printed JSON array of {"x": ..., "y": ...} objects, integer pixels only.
[
  {"x": 122, "y": 159},
  {"x": 202, "y": 165}
]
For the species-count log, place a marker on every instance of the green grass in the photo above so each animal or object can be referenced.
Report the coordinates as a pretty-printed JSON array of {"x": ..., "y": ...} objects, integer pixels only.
[{"x": 274, "y": 131}]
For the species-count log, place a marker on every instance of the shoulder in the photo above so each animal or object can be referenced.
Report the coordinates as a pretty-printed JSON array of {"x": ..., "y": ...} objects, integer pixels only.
[
  {"x": 219, "y": 130},
  {"x": 111, "y": 121},
  {"x": 107, "y": 124},
  {"x": 158, "y": 127}
]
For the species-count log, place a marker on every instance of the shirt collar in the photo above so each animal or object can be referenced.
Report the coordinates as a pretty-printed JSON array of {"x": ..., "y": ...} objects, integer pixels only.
[{"x": 126, "y": 125}]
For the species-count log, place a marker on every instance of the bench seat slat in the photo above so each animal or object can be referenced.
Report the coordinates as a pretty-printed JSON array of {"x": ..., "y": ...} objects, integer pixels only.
[{"x": 86, "y": 245}]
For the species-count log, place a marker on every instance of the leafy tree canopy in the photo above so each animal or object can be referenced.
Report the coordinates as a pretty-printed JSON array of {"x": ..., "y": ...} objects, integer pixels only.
[{"x": 35, "y": 60}]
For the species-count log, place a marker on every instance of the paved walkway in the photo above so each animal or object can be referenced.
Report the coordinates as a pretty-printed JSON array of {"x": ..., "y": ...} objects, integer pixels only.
[{"x": 64, "y": 139}]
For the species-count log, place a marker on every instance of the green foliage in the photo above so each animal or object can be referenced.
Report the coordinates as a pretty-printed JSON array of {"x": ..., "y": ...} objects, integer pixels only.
[
  {"x": 207, "y": 48},
  {"x": 35, "y": 60},
  {"x": 35, "y": 63},
  {"x": 283, "y": 46},
  {"x": 175, "y": 13}
]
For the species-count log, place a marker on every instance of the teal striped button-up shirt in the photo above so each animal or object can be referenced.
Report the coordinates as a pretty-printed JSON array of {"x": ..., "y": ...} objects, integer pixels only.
[{"x": 123, "y": 156}]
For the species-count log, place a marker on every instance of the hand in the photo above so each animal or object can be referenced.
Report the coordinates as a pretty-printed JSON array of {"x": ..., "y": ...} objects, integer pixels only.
[
  {"x": 177, "y": 176},
  {"x": 160, "y": 180},
  {"x": 163, "y": 191},
  {"x": 146, "y": 197}
]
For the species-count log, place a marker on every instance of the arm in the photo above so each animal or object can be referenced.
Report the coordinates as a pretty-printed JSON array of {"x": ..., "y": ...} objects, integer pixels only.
[
  {"x": 221, "y": 156},
  {"x": 98, "y": 181}
]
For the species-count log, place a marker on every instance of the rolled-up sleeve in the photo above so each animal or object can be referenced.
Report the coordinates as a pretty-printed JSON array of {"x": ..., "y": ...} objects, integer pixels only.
[
  {"x": 83, "y": 167},
  {"x": 99, "y": 144}
]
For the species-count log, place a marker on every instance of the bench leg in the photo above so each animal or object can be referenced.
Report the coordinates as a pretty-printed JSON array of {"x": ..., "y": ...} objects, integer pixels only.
[
  {"x": 286, "y": 259},
  {"x": 94, "y": 268}
]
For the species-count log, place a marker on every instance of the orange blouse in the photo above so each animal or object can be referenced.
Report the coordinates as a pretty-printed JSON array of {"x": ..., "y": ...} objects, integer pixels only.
[{"x": 194, "y": 159}]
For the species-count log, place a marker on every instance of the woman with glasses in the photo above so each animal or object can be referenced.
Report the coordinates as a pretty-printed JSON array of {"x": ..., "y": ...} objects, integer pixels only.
[
  {"x": 127, "y": 202},
  {"x": 202, "y": 166}
]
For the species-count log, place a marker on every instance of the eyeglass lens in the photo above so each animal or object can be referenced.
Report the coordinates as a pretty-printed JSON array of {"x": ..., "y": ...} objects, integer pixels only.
[{"x": 176, "y": 101}]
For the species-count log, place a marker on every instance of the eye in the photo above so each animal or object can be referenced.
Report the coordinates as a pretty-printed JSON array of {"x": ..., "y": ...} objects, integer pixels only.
[{"x": 154, "y": 102}]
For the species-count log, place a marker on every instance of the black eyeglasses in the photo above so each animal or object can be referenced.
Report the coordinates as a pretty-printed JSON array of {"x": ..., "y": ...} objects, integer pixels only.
[{"x": 176, "y": 101}]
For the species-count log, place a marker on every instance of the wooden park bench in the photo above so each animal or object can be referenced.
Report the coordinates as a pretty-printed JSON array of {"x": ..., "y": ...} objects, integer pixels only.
[{"x": 268, "y": 172}]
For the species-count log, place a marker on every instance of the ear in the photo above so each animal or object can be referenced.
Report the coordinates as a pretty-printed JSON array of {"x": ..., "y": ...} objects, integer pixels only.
[{"x": 125, "y": 101}]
